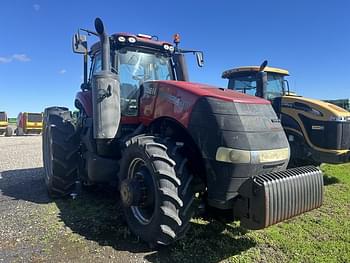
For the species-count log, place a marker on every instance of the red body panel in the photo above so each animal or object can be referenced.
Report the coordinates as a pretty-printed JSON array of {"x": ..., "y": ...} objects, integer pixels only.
[
  {"x": 85, "y": 99},
  {"x": 203, "y": 90},
  {"x": 173, "y": 99}
]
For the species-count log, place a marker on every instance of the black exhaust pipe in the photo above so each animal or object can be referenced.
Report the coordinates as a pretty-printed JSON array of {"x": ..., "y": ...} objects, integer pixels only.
[
  {"x": 105, "y": 47},
  {"x": 105, "y": 95}
]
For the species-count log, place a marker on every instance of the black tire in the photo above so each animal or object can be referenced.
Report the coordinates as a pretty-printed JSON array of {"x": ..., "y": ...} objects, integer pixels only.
[
  {"x": 173, "y": 198},
  {"x": 8, "y": 132},
  {"x": 60, "y": 152}
]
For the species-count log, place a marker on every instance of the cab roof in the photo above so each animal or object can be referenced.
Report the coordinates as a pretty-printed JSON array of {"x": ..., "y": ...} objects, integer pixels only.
[
  {"x": 232, "y": 72},
  {"x": 140, "y": 41}
]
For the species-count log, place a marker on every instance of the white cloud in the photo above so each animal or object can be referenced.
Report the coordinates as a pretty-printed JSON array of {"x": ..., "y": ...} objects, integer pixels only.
[
  {"x": 4, "y": 60},
  {"x": 62, "y": 71},
  {"x": 36, "y": 7},
  {"x": 21, "y": 57},
  {"x": 15, "y": 57}
]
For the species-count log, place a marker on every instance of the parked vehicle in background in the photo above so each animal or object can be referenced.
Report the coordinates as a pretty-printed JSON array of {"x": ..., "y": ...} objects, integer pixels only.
[
  {"x": 318, "y": 132},
  {"x": 4, "y": 125},
  {"x": 29, "y": 123}
]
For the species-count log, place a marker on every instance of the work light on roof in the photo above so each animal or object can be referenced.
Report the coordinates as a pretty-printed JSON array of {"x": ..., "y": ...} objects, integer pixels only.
[
  {"x": 121, "y": 39},
  {"x": 144, "y": 36},
  {"x": 131, "y": 39}
]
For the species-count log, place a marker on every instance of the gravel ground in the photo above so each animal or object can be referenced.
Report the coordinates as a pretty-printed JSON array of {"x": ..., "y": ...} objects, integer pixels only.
[{"x": 34, "y": 228}]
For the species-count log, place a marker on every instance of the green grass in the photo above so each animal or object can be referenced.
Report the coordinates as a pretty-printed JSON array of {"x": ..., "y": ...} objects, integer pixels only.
[
  {"x": 12, "y": 120},
  {"x": 322, "y": 235}
]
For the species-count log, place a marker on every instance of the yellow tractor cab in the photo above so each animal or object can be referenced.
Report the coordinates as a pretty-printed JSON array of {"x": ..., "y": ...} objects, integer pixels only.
[
  {"x": 29, "y": 123},
  {"x": 318, "y": 131},
  {"x": 5, "y": 129}
]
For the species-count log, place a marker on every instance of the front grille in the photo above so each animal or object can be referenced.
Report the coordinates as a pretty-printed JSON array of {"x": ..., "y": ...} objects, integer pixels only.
[{"x": 277, "y": 196}]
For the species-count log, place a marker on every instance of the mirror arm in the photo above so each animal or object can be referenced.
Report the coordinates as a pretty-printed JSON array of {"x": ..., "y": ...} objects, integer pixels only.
[
  {"x": 183, "y": 51},
  {"x": 89, "y": 32},
  {"x": 85, "y": 67}
]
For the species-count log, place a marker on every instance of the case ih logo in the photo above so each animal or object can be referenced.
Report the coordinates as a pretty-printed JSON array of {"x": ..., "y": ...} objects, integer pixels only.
[{"x": 179, "y": 104}]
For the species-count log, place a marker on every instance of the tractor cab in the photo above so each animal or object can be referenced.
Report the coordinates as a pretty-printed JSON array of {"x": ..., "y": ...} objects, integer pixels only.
[
  {"x": 269, "y": 83},
  {"x": 137, "y": 59}
]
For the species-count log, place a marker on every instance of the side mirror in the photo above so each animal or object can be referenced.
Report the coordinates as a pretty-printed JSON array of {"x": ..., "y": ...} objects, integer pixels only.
[
  {"x": 200, "y": 59},
  {"x": 79, "y": 44}
]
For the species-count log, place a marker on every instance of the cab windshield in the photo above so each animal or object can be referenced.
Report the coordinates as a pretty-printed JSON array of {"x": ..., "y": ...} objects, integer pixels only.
[
  {"x": 135, "y": 67},
  {"x": 248, "y": 84},
  {"x": 3, "y": 116}
]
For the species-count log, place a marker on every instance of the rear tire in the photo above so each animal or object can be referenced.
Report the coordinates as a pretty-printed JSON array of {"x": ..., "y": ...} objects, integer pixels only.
[
  {"x": 8, "y": 132},
  {"x": 60, "y": 152},
  {"x": 167, "y": 180}
]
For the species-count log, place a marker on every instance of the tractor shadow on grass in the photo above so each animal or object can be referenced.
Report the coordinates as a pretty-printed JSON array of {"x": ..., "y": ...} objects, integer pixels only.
[
  {"x": 25, "y": 184},
  {"x": 98, "y": 216}
]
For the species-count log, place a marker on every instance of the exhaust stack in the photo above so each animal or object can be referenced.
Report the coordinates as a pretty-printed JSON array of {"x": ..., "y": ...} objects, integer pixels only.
[{"x": 105, "y": 92}]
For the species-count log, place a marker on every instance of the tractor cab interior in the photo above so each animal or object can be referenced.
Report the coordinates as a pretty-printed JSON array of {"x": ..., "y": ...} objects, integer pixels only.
[
  {"x": 134, "y": 66},
  {"x": 247, "y": 83}
]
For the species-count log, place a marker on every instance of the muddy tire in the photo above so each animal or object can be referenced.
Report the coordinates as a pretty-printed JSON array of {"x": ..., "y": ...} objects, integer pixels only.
[
  {"x": 156, "y": 190},
  {"x": 60, "y": 152},
  {"x": 8, "y": 132}
]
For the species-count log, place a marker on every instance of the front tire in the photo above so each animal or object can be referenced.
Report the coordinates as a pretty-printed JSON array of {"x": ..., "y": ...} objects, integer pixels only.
[
  {"x": 156, "y": 190},
  {"x": 8, "y": 132},
  {"x": 60, "y": 152}
]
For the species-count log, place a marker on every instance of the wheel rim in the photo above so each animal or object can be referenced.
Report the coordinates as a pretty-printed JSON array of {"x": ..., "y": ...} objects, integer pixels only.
[{"x": 144, "y": 211}]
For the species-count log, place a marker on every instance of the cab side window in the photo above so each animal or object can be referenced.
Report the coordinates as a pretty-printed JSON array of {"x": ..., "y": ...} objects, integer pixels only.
[{"x": 97, "y": 64}]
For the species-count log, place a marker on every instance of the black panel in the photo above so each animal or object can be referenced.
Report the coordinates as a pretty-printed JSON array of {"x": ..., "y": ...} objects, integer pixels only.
[
  {"x": 289, "y": 122},
  {"x": 216, "y": 123},
  {"x": 332, "y": 135}
]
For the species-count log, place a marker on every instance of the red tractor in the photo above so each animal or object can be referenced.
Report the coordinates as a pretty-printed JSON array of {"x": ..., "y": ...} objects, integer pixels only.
[{"x": 167, "y": 142}]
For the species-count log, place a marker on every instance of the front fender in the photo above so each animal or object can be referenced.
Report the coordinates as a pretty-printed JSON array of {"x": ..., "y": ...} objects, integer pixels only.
[{"x": 83, "y": 101}]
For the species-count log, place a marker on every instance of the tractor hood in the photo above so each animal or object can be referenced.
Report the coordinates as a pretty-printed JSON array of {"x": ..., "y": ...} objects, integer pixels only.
[
  {"x": 203, "y": 90},
  {"x": 314, "y": 106}
]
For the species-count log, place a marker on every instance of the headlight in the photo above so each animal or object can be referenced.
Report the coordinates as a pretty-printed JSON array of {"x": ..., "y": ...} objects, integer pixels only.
[
  {"x": 339, "y": 118},
  {"x": 166, "y": 47},
  {"x": 131, "y": 39},
  {"x": 230, "y": 155},
  {"x": 171, "y": 49},
  {"x": 121, "y": 39}
]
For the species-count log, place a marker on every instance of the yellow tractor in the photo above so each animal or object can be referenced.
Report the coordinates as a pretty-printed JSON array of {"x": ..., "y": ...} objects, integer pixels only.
[
  {"x": 5, "y": 129},
  {"x": 29, "y": 123},
  {"x": 318, "y": 131}
]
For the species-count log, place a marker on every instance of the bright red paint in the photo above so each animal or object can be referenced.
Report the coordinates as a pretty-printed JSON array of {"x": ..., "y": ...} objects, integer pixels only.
[
  {"x": 203, "y": 90},
  {"x": 173, "y": 99}
]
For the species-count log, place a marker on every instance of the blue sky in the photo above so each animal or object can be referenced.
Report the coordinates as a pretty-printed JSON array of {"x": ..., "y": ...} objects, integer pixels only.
[{"x": 309, "y": 38}]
